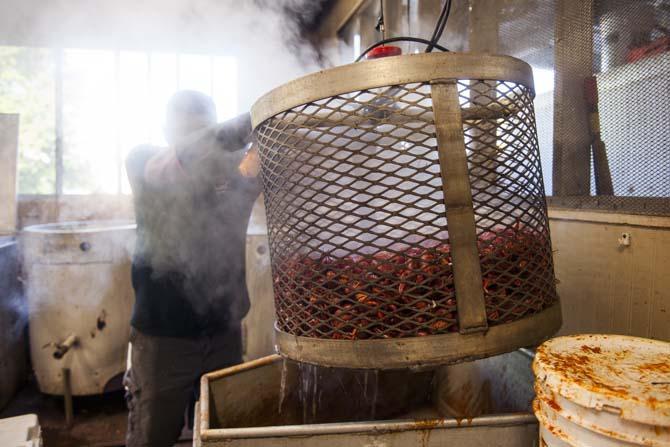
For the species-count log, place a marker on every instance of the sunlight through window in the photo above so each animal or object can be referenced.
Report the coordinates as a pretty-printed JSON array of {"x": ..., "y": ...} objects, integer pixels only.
[{"x": 111, "y": 102}]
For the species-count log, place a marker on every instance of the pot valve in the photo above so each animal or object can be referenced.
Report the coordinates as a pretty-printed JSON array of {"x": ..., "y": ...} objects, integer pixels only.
[{"x": 64, "y": 347}]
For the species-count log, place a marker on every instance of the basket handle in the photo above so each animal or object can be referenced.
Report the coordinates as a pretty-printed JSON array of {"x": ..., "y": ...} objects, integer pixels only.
[{"x": 459, "y": 209}]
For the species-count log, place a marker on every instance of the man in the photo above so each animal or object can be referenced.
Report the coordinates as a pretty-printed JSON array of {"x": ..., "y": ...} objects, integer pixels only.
[{"x": 192, "y": 205}]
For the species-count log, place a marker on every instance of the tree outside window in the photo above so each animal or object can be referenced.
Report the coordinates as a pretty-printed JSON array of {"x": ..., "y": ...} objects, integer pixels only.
[{"x": 27, "y": 87}]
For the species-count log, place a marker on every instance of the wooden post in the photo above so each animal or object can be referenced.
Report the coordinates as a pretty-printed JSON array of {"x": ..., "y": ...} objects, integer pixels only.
[
  {"x": 9, "y": 138},
  {"x": 59, "y": 57},
  {"x": 483, "y": 38},
  {"x": 573, "y": 60},
  {"x": 483, "y": 27}
]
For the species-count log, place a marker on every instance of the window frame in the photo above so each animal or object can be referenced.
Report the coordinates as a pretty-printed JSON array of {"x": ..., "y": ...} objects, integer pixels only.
[{"x": 57, "y": 55}]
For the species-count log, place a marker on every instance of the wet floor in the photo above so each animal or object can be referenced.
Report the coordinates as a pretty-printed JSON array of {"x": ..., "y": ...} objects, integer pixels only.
[{"x": 99, "y": 421}]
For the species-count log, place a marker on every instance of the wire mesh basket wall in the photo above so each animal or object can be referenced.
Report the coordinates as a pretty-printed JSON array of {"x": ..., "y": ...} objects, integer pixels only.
[
  {"x": 612, "y": 157},
  {"x": 624, "y": 47},
  {"x": 406, "y": 212}
]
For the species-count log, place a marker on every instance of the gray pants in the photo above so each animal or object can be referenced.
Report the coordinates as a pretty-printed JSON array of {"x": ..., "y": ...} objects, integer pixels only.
[{"x": 163, "y": 381}]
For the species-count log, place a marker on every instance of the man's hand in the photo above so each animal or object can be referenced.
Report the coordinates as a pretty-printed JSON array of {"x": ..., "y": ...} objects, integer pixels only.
[
  {"x": 234, "y": 134},
  {"x": 250, "y": 165}
]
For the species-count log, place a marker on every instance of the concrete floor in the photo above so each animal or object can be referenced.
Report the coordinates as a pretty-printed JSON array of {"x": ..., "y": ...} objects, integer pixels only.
[{"x": 99, "y": 421}]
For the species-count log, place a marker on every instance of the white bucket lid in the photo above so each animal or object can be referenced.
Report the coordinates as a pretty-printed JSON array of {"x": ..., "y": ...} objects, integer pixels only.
[
  {"x": 558, "y": 432},
  {"x": 20, "y": 431},
  {"x": 587, "y": 422},
  {"x": 627, "y": 376},
  {"x": 550, "y": 438},
  {"x": 578, "y": 434}
]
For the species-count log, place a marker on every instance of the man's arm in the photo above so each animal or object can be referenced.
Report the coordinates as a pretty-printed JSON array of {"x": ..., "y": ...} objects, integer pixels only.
[
  {"x": 136, "y": 163},
  {"x": 202, "y": 159}
]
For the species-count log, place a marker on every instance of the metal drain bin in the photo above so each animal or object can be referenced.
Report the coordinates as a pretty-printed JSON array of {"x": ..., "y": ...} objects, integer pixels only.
[{"x": 239, "y": 407}]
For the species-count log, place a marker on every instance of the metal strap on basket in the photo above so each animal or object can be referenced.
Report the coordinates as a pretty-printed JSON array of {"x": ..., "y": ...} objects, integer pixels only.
[{"x": 459, "y": 209}]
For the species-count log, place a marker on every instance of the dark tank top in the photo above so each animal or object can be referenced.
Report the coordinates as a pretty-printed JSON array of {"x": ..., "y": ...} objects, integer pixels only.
[{"x": 188, "y": 270}]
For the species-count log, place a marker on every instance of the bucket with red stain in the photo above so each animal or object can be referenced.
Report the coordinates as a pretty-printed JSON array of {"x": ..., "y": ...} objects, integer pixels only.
[{"x": 603, "y": 390}]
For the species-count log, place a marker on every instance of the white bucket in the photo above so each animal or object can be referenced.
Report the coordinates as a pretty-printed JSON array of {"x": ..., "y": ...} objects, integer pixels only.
[{"x": 603, "y": 391}]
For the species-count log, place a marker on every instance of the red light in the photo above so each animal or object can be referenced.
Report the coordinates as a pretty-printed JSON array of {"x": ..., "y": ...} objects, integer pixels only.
[{"x": 384, "y": 51}]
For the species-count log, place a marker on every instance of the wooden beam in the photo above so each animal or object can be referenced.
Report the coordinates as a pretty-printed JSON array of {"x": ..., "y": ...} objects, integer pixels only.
[{"x": 337, "y": 17}]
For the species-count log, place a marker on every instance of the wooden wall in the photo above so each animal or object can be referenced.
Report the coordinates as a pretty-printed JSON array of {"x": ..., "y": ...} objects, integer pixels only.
[
  {"x": 609, "y": 288},
  {"x": 33, "y": 210}
]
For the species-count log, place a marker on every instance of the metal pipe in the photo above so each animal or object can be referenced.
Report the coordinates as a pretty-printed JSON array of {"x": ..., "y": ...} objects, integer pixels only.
[
  {"x": 529, "y": 353},
  {"x": 243, "y": 367},
  {"x": 64, "y": 347},
  {"x": 67, "y": 397},
  {"x": 367, "y": 427}
]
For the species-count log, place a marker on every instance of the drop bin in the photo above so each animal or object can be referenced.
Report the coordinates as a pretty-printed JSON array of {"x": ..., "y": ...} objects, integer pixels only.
[{"x": 240, "y": 406}]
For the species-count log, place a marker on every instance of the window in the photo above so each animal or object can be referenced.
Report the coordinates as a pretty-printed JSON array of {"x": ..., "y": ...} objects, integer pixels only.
[
  {"x": 102, "y": 103},
  {"x": 27, "y": 88},
  {"x": 89, "y": 122}
]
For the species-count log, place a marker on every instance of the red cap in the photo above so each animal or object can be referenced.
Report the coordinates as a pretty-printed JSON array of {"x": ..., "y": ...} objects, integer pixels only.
[
  {"x": 384, "y": 51},
  {"x": 591, "y": 91}
]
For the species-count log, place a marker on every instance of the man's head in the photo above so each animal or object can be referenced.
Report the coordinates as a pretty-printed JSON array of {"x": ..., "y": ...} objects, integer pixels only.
[{"x": 188, "y": 111}]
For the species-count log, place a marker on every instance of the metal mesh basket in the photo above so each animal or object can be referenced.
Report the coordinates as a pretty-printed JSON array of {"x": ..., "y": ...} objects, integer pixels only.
[{"x": 406, "y": 212}]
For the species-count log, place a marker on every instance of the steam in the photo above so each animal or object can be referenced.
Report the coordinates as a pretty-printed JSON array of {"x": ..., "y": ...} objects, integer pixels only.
[
  {"x": 13, "y": 312},
  {"x": 264, "y": 36},
  {"x": 196, "y": 230}
]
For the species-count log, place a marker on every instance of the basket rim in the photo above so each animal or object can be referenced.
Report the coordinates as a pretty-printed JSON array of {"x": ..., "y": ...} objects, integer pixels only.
[
  {"x": 395, "y": 70},
  {"x": 414, "y": 352}
]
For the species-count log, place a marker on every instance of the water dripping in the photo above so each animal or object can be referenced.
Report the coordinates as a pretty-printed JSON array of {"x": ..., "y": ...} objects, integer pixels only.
[
  {"x": 374, "y": 394},
  {"x": 365, "y": 385},
  {"x": 314, "y": 392},
  {"x": 282, "y": 385},
  {"x": 304, "y": 388}
]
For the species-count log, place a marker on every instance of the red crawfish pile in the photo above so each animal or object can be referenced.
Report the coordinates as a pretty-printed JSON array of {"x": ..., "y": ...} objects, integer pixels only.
[{"x": 410, "y": 293}]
